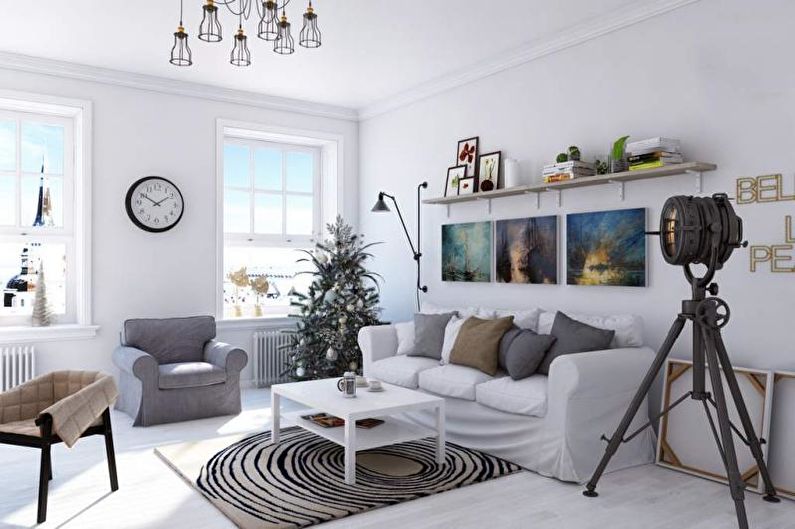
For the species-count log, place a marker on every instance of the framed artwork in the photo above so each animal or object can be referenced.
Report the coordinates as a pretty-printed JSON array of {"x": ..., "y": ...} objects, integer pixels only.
[
  {"x": 454, "y": 175},
  {"x": 526, "y": 250},
  {"x": 467, "y": 186},
  {"x": 467, "y": 154},
  {"x": 606, "y": 248},
  {"x": 466, "y": 252},
  {"x": 782, "y": 434},
  {"x": 489, "y": 170},
  {"x": 686, "y": 443}
]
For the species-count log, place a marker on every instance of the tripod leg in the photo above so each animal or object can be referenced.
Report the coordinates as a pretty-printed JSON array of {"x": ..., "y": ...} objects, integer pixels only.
[
  {"x": 736, "y": 484},
  {"x": 637, "y": 400},
  {"x": 742, "y": 410}
]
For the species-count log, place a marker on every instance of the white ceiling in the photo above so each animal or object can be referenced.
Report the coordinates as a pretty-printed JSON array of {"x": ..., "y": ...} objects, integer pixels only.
[{"x": 372, "y": 49}]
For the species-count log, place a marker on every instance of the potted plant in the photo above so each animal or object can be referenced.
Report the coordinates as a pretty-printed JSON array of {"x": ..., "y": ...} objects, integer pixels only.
[
  {"x": 617, "y": 161},
  {"x": 260, "y": 286},
  {"x": 239, "y": 278}
]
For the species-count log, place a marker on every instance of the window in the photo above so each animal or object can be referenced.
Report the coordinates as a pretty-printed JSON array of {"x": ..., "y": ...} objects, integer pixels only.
[
  {"x": 43, "y": 220},
  {"x": 271, "y": 210}
]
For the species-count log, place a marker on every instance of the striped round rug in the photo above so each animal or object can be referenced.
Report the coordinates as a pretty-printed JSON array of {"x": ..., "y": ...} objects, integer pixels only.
[{"x": 300, "y": 482}]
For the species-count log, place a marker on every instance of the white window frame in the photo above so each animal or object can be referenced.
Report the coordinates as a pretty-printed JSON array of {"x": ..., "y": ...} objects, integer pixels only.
[
  {"x": 284, "y": 239},
  {"x": 76, "y": 231},
  {"x": 328, "y": 199}
]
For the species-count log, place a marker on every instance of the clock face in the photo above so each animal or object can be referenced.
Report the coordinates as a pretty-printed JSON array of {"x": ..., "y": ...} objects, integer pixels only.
[{"x": 154, "y": 204}]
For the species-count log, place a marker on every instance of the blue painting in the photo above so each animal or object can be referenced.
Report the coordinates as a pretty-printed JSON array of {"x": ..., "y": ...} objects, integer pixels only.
[
  {"x": 606, "y": 248},
  {"x": 526, "y": 250},
  {"x": 466, "y": 252}
]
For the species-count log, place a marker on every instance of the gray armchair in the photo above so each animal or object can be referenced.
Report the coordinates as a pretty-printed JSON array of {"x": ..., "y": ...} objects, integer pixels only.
[{"x": 173, "y": 370}]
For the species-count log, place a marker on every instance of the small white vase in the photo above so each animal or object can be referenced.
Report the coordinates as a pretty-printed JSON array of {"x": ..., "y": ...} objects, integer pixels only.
[{"x": 512, "y": 173}]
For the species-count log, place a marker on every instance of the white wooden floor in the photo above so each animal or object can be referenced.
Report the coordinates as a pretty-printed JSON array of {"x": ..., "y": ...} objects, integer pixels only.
[{"x": 153, "y": 496}]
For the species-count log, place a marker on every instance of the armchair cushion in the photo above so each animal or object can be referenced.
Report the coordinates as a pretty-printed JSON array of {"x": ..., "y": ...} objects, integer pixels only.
[
  {"x": 171, "y": 340},
  {"x": 190, "y": 375}
]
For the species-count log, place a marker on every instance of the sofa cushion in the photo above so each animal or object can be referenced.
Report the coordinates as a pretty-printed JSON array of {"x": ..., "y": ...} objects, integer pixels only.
[
  {"x": 451, "y": 380},
  {"x": 524, "y": 397},
  {"x": 628, "y": 327},
  {"x": 190, "y": 375},
  {"x": 401, "y": 370},
  {"x": 429, "y": 334},
  {"x": 574, "y": 337},
  {"x": 405, "y": 337},
  {"x": 478, "y": 343},
  {"x": 171, "y": 340},
  {"x": 462, "y": 312},
  {"x": 524, "y": 319}
]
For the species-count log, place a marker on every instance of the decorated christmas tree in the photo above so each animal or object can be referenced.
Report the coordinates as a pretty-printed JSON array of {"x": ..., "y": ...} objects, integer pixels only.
[
  {"x": 42, "y": 315},
  {"x": 342, "y": 298}
]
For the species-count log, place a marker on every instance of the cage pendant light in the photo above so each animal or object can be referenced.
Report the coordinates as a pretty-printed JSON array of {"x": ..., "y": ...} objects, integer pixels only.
[
  {"x": 269, "y": 23},
  {"x": 310, "y": 34},
  {"x": 240, "y": 54},
  {"x": 210, "y": 27},
  {"x": 180, "y": 52},
  {"x": 284, "y": 44}
]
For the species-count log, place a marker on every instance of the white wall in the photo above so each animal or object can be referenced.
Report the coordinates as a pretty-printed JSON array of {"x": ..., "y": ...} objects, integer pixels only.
[
  {"x": 716, "y": 74},
  {"x": 135, "y": 273}
]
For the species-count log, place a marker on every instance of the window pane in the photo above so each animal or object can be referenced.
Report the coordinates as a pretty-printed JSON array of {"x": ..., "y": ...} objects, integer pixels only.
[
  {"x": 8, "y": 145},
  {"x": 267, "y": 213},
  {"x": 299, "y": 215},
  {"x": 236, "y": 170},
  {"x": 20, "y": 289},
  {"x": 7, "y": 201},
  {"x": 278, "y": 266},
  {"x": 300, "y": 168},
  {"x": 268, "y": 169},
  {"x": 42, "y": 144},
  {"x": 30, "y": 201},
  {"x": 237, "y": 212}
]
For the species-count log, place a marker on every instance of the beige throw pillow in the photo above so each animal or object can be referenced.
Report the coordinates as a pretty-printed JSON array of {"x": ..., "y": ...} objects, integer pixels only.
[{"x": 478, "y": 343}]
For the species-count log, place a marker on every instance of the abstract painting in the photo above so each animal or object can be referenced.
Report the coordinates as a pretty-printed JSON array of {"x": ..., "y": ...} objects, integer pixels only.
[
  {"x": 606, "y": 248},
  {"x": 466, "y": 252},
  {"x": 526, "y": 250}
]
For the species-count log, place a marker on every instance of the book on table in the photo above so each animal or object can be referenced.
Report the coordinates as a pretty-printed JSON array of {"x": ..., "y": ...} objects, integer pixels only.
[{"x": 330, "y": 421}]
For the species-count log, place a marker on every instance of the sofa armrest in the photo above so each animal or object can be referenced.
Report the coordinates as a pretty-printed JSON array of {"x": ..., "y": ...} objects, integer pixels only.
[
  {"x": 377, "y": 342},
  {"x": 588, "y": 394},
  {"x": 138, "y": 363},
  {"x": 226, "y": 356}
]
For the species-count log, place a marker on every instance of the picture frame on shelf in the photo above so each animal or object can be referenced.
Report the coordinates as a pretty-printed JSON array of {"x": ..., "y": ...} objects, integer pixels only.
[
  {"x": 454, "y": 175},
  {"x": 467, "y": 154},
  {"x": 489, "y": 170},
  {"x": 468, "y": 185}
]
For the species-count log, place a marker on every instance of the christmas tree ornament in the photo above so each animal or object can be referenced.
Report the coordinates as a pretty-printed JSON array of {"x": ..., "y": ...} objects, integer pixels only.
[
  {"x": 331, "y": 354},
  {"x": 300, "y": 371},
  {"x": 350, "y": 307}
]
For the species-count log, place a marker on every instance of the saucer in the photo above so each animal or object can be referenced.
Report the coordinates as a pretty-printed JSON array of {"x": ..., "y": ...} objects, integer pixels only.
[{"x": 379, "y": 390}]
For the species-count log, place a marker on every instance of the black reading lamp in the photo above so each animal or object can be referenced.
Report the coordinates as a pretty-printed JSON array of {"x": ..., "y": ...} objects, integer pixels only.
[{"x": 382, "y": 207}]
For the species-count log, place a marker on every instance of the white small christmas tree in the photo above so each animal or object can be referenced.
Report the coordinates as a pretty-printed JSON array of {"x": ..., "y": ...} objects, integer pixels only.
[{"x": 42, "y": 316}]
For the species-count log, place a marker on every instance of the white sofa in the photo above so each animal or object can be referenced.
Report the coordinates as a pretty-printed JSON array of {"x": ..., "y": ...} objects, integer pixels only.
[{"x": 551, "y": 425}]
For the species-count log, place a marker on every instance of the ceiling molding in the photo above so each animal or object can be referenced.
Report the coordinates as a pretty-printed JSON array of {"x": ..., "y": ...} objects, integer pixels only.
[
  {"x": 26, "y": 63},
  {"x": 575, "y": 35}
]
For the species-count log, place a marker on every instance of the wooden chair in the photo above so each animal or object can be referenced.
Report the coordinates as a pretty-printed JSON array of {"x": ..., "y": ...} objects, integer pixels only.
[{"x": 62, "y": 406}]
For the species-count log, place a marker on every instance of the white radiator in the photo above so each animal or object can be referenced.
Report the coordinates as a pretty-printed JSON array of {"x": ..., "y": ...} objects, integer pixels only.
[
  {"x": 270, "y": 358},
  {"x": 17, "y": 365}
]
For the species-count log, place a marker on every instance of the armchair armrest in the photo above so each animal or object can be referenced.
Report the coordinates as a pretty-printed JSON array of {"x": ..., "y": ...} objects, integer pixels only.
[
  {"x": 377, "y": 342},
  {"x": 138, "y": 363},
  {"x": 226, "y": 356},
  {"x": 11, "y": 408}
]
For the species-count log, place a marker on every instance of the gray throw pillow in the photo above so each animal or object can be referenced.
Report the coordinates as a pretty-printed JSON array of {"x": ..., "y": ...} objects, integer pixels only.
[
  {"x": 526, "y": 352},
  {"x": 573, "y": 336},
  {"x": 429, "y": 334},
  {"x": 505, "y": 343}
]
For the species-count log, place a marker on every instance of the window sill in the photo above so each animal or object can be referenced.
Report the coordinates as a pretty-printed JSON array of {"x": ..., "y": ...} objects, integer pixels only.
[
  {"x": 250, "y": 324},
  {"x": 27, "y": 334}
]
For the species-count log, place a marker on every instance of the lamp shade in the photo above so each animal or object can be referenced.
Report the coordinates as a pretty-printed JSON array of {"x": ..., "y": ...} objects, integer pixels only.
[{"x": 380, "y": 206}]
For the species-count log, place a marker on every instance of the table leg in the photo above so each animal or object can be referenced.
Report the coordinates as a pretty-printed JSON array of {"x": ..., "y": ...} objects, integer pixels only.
[
  {"x": 350, "y": 452},
  {"x": 276, "y": 411},
  {"x": 440, "y": 435}
]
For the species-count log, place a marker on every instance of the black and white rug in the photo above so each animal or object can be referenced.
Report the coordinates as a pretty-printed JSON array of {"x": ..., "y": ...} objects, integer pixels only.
[{"x": 300, "y": 482}]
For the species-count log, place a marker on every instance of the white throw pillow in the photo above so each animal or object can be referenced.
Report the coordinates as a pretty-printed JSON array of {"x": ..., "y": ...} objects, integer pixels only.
[
  {"x": 524, "y": 319},
  {"x": 405, "y": 336},
  {"x": 463, "y": 312},
  {"x": 628, "y": 327},
  {"x": 450, "y": 335}
]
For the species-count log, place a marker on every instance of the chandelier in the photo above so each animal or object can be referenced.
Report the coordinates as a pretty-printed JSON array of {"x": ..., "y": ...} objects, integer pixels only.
[{"x": 272, "y": 27}]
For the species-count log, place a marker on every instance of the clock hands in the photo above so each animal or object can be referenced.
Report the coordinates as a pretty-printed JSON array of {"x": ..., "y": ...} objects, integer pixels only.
[
  {"x": 149, "y": 199},
  {"x": 161, "y": 201}
]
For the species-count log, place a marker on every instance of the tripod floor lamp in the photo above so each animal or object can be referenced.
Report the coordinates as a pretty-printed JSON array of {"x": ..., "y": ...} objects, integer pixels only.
[{"x": 382, "y": 207}]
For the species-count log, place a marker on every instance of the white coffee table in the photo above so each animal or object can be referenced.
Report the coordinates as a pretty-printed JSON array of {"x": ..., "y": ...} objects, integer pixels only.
[{"x": 323, "y": 395}]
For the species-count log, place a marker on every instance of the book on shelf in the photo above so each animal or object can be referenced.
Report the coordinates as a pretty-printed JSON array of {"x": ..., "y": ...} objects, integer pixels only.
[
  {"x": 650, "y": 150},
  {"x": 653, "y": 143},
  {"x": 568, "y": 165},
  {"x": 651, "y": 165},
  {"x": 330, "y": 421},
  {"x": 654, "y": 156},
  {"x": 563, "y": 175}
]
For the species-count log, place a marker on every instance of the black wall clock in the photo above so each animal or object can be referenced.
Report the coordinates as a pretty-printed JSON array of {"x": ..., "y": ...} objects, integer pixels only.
[{"x": 154, "y": 204}]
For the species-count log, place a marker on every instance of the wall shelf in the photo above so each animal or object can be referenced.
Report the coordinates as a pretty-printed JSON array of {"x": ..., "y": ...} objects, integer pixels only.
[{"x": 692, "y": 168}]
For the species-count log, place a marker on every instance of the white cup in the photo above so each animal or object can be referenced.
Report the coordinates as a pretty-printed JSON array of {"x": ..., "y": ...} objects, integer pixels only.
[{"x": 375, "y": 384}]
